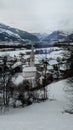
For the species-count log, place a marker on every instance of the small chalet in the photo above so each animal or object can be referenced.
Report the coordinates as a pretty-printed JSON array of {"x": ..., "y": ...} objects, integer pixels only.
[
  {"x": 64, "y": 70},
  {"x": 54, "y": 64}
]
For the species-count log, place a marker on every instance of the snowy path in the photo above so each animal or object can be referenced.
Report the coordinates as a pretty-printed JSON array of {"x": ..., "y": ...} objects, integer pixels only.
[{"x": 40, "y": 116}]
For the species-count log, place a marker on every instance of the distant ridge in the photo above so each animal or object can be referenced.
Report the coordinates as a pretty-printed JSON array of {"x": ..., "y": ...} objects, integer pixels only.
[
  {"x": 59, "y": 36},
  {"x": 9, "y": 34}
]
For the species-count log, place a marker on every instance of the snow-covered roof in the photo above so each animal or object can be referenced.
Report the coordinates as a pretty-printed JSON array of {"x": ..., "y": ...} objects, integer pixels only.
[
  {"x": 53, "y": 62},
  {"x": 16, "y": 64},
  {"x": 71, "y": 43},
  {"x": 63, "y": 67},
  {"x": 29, "y": 69},
  {"x": 47, "y": 72},
  {"x": 37, "y": 62},
  {"x": 49, "y": 67},
  {"x": 26, "y": 65},
  {"x": 1, "y": 61},
  {"x": 18, "y": 79},
  {"x": 30, "y": 78}
]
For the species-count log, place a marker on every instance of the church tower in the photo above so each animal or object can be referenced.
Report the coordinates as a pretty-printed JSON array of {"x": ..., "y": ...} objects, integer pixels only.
[{"x": 32, "y": 55}]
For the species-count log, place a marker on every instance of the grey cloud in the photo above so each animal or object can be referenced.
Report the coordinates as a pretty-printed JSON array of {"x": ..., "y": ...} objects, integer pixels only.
[
  {"x": 2, "y": 4},
  {"x": 37, "y": 15}
]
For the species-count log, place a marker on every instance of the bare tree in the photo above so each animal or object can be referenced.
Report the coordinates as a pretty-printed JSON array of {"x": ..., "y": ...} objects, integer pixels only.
[{"x": 6, "y": 76}]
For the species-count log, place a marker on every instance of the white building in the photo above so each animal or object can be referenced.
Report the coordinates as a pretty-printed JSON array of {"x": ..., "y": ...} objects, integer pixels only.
[{"x": 29, "y": 73}]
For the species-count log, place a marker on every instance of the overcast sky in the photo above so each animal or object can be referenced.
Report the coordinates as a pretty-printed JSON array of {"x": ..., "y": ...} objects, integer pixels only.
[{"x": 37, "y": 15}]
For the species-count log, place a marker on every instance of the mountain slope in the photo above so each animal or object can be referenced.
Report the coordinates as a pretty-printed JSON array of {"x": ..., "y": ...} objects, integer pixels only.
[
  {"x": 70, "y": 36},
  {"x": 56, "y": 35},
  {"x": 8, "y": 34},
  {"x": 41, "y": 36}
]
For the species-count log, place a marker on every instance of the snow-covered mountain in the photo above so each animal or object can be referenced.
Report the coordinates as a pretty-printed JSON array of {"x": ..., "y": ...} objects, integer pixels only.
[
  {"x": 41, "y": 36},
  {"x": 9, "y": 34},
  {"x": 59, "y": 36},
  {"x": 70, "y": 36}
]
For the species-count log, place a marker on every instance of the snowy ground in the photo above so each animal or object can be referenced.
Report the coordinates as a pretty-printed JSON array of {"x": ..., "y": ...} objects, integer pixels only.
[
  {"x": 46, "y": 115},
  {"x": 55, "y": 53}
]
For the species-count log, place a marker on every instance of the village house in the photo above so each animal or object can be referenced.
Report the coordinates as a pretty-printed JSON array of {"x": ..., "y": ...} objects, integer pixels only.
[
  {"x": 64, "y": 70},
  {"x": 55, "y": 64}
]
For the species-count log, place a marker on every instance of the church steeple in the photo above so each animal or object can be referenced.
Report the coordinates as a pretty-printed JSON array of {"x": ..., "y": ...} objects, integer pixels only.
[{"x": 32, "y": 55}]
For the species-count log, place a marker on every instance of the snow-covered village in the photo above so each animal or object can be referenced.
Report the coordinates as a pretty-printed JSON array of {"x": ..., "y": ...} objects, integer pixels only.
[
  {"x": 36, "y": 65},
  {"x": 34, "y": 92}
]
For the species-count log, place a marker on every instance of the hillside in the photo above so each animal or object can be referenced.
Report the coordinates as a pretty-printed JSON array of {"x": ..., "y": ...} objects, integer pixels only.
[
  {"x": 59, "y": 36},
  {"x": 55, "y": 36},
  {"x": 9, "y": 34},
  {"x": 41, "y": 36},
  {"x": 13, "y": 35},
  {"x": 47, "y": 115}
]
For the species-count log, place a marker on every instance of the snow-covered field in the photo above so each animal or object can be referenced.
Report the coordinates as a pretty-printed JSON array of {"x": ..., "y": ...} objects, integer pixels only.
[
  {"x": 46, "y": 115},
  {"x": 56, "y": 52},
  {"x": 16, "y": 52}
]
